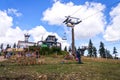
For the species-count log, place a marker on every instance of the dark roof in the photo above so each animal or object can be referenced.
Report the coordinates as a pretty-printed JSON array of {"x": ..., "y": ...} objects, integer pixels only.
[{"x": 51, "y": 35}]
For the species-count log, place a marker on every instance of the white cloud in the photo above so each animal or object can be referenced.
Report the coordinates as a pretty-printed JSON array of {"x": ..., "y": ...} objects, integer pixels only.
[
  {"x": 14, "y": 11},
  {"x": 112, "y": 32},
  {"x": 56, "y": 14},
  {"x": 9, "y": 35},
  {"x": 37, "y": 33},
  {"x": 13, "y": 35},
  {"x": 91, "y": 26},
  {"x": 5, "y": 23},
  {"x": 56, "y": 0}
]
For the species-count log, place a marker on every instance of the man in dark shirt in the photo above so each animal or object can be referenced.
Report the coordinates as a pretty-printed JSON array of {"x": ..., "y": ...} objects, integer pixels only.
[{"x": 78, "y": 55}]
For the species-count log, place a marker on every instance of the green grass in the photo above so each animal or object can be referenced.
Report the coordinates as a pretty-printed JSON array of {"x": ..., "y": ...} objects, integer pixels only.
[{"x": 54, "y": 69}]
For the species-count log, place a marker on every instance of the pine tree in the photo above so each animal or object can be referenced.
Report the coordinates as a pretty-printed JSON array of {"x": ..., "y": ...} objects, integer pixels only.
[
  {"x": 108, "y": 55},
  {"x": 94, "y": 51},
  {"x": 8, "y": 46},
  {"x": 65, "y": 49},
  {"x": 90, "y": 48},
  {"x": 1, "y": 46},
  {"x": 102, "y": 50},
  {"x": 70, "y": 49},
  {"x": 115, "y": 51},
  {"x": 14, "y": 46}
]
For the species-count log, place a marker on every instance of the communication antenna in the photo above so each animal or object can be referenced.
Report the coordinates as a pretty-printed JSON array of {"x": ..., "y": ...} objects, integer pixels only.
[{"x": 26, "y": 37}]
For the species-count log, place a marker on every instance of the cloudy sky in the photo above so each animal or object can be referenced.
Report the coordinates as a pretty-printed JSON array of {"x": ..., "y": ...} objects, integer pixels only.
[{"x": 39, "y": 18}]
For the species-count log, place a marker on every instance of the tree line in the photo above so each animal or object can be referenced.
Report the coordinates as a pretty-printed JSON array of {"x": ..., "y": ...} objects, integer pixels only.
[
  {"x": 93, "y": 52},
  {"x": 8, "y": 46},
  {"x": 104, "y": 53}
]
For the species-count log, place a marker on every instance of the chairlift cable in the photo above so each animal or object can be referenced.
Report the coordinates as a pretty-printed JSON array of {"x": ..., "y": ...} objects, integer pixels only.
[
  {"x": 92, "y": 14},
  {"x": 77, "y": 10},
  {"x": 74, "y": 13},
  {"x": 95, "y": 12},
  {"x": 100, "y": 10}
]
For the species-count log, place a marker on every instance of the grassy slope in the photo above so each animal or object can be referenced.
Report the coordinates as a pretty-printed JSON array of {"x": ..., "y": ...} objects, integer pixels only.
[{"x": 54, "y": 69}]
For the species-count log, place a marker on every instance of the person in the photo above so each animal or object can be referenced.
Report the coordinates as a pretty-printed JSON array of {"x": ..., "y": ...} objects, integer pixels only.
[
  {"x": 37, "y": 54},
  {"x": 78, "y": 55}
]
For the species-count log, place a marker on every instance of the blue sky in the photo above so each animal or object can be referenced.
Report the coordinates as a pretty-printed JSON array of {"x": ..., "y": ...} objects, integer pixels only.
[{"x": 40, "y": 18}]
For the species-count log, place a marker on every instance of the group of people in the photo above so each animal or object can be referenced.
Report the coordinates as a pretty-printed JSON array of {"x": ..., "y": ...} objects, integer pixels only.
[
  {"x": 32, "y": 54},
  {"x": 7, "y": 54}
]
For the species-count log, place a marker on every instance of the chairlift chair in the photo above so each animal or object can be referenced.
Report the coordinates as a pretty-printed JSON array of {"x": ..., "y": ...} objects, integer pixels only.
[{"x": 64, "y": 37}]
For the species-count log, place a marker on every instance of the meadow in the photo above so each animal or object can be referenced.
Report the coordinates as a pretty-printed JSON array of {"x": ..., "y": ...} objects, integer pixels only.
[{"x": 57, "y": 68}]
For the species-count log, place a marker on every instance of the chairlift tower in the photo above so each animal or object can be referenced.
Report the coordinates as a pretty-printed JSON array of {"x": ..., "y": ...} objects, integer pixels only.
[{"x": 70, "y": 23}]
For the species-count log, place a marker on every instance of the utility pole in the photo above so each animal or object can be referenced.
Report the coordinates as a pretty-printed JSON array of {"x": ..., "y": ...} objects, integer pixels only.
[{"x": 68, "y": 21}]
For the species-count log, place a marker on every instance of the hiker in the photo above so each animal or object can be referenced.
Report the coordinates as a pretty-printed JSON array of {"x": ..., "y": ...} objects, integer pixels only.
[{"x": 78, "y": 55}]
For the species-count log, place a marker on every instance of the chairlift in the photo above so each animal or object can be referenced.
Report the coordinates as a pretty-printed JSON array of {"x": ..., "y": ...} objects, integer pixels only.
[{"x": 64, "y": 37}]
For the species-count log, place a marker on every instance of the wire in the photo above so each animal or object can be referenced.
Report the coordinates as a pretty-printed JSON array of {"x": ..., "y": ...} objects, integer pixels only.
[
  {"x": 100, "y": 10},
  {"x": 77, "y": 10},
  {"x": 91, "y": 14},
  {"x": 95, "y": 12},
  {"x": 71, "y": 15}
]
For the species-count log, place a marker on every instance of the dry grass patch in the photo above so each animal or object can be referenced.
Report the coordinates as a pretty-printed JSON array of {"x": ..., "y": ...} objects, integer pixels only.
[{"x": 56, "y": 68}]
